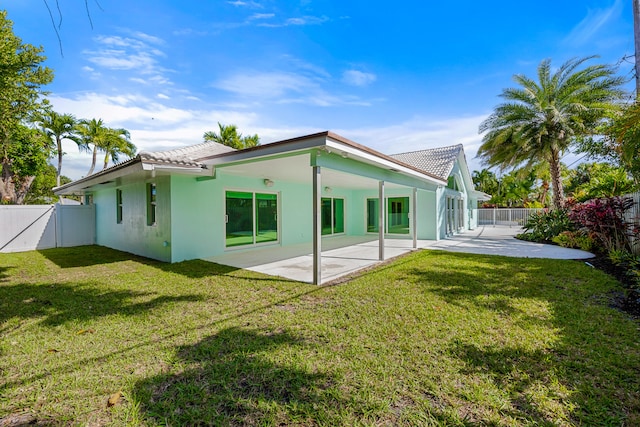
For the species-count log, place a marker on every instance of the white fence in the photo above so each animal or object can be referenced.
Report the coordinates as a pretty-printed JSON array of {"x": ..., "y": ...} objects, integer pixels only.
[
  {"x": 513, "y": 217},
  {"x": 31, "y": 227}
]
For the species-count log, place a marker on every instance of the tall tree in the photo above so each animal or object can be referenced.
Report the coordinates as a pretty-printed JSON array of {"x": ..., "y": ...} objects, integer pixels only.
[
  {"x": 116, "y": 143},
  {"x": 58, "y": 127},
  {"x": 621, "y": 142},
  {"x": 636, "y": 37},
  {"x": 228, "y": 135},
  {"x": 27, "y": 152},
  {"x": 598, "y": 180},
  {"x": 485, "y": 181},
  {"x": 112, "y": 142},
  {"x": 541, "y": 120},
  {"x": 21, "y": 79},
  {"x": 92, "y": 132}
]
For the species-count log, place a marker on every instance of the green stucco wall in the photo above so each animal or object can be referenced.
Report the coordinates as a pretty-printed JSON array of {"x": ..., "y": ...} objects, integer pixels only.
[
  {"x": 190, "y": 212},
  {"x": 198, "y": 211},
  {"x": 133, "y": 234}
]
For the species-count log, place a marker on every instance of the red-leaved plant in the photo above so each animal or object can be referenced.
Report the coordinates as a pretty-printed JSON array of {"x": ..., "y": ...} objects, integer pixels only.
[{"x": 604, "y": 221}]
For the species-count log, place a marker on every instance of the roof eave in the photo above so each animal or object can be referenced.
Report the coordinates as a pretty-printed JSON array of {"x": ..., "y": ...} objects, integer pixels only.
[
  {"x": 117, "y": 171},
  {"x": 321, "y": 140}
]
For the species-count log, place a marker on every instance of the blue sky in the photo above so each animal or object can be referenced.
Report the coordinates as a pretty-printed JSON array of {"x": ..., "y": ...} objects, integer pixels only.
[{"x": 395, "y": 76}]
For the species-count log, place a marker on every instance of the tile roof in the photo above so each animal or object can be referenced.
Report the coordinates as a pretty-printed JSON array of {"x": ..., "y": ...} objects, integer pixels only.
[
  {"x": 186, "y": 156},
  {"x": 436, "y": 161}
]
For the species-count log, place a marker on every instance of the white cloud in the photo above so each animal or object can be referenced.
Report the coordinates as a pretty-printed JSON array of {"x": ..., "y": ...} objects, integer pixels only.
[
  {"x": 153, "y": 125},
  {"x": 270, "y": 84},
  {"x": 262, "y": 16},
  {"x": 241, "y": 3},
  {"x": 162, "y": 96},
  {"x": 358, "y": 78},
  {"x": 148, "y": 38},
  {"x": 287, "y": 87},
  {"x": 297, "y": 21},
  {"x": 133, "y": 54},
  {"x": 595, "y": 20},
  {"x": 420, "y": 133}
]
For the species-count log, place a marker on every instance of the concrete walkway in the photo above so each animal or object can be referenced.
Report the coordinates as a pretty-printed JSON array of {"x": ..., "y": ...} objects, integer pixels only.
[
  {"x": 500, "y": 240},
  {"x": 343, "y": 255}
]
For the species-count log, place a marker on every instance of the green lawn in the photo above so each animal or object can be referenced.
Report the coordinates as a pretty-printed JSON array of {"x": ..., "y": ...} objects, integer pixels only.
[{"x": 433, "y": 338}]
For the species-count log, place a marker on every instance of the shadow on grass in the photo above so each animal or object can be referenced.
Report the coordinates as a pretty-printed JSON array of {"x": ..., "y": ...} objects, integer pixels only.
[
  {"x": 94, "y": 255},
  {"x": 60, "y": 303},
  {"x": 582, "y": 371},
  {"x": 86, "y": 256},
  {"x": 3, "y": 273},
  {"x": 231, "y": 378}
]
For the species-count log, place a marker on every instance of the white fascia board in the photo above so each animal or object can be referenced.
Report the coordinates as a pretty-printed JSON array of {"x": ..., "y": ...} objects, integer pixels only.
[
  {"x": 100, "y": 178},
  {"x": 378, "y": 161},
  {"x": 183, "y": 170},
  {"x": 464, "y": 167}
]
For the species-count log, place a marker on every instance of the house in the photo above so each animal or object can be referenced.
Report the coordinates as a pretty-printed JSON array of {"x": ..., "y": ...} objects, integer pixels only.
[{"x": 209, "y": 199}]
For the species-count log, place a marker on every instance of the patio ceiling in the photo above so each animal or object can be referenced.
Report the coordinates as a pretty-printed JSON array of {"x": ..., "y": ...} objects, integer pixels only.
[{"x": 298, "y": 169}]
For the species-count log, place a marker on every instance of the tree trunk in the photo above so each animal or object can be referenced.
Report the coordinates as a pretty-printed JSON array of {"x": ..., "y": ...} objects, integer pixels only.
[
  {"x": 636, "y": 36},
  {"x": 59, "y": 143},
  {"x": 556, "y": 179},
  {"x": 93, "y": 161},
  {"x": 12, "y": 191}
]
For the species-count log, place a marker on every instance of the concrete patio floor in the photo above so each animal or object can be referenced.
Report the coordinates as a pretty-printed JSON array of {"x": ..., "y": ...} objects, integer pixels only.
[{"x": 343, "y": 255}]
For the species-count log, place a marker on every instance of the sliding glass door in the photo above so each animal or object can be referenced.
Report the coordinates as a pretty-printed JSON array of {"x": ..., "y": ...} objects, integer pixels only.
[
  {"x": 266, "y": 218},
  {"x": 251, "y": 218},
  {"x": 397, "y": 215},
  {"x": 332, "y": 215}
]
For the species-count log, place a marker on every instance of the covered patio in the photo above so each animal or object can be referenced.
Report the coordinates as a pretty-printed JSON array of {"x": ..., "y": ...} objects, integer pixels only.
[
  {"x": 345, "y": 182},
  {"x": 341, "y": 256},
  {"x": 345, "y": 255}
]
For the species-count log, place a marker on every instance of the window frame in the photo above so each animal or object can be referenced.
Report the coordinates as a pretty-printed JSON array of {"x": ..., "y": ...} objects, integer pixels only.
[
  {"x": 333, "y": 216},
  {"x": 119, "y": 206},
  {"x": 254, "y": 218},
  {"x": 152, "y": 203}
]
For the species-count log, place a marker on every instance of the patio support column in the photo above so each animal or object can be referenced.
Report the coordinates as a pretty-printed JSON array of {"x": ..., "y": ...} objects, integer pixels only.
[
  {"x": 317, "y": 225},
  {"x": 414, "y": 218},
  {"x": 381, "y": 222}
]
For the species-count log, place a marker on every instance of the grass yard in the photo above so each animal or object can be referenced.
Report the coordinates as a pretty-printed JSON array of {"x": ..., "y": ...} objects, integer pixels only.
[{"x": 432, "y": 338}]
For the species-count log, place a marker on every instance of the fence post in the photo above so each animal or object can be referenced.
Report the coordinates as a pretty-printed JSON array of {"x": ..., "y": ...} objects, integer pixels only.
[{"x": 494, "y": 216}]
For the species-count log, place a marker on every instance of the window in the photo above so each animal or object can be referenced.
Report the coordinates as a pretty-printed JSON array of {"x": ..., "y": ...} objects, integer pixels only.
[
  {"x": 251, "y": 218},
  {"x": 397, "y": 215},
  {"x": 332, "y": 213},
  {"x": 119, "y": 206},
  {"x": 372, "y": 215},
  {"x": 151, "y": 204},
  {"x": 452, "y": 183}
]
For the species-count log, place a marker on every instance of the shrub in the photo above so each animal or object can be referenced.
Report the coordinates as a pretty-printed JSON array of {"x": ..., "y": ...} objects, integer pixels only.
[
  {"x": 631, "y": 266},
  {"x": 544, "y": 226},
  {"x": 574, "y": 239},
  {"x": 604, "y": 220}
]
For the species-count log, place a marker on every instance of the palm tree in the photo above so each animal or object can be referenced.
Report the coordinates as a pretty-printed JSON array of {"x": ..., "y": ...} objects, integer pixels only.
[
  {"x": 112, "y": 142},
  {"x": 485, "y": 181},
  {"x": 116, "y": 142},
  {"x": 91, "y": 132},
  {"x": 541, "y": 120},
  {"x": 229, "y": 136},
  {"x": 58, "y": 127}
]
